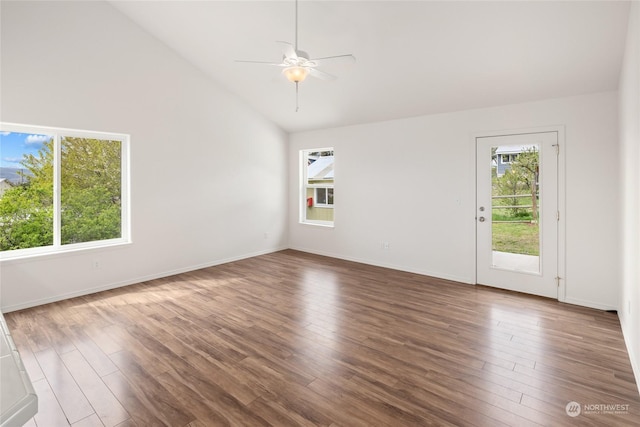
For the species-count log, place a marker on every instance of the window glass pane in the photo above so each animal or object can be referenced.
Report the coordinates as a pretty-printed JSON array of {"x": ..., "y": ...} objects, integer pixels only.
[
  {"x": 26, "y": 190},
  {"x": 90, "y": 190},
  {"x": 330, "y": 197},
  {"x": 319, "y": 166},
  {"x": 515, "y": 209},
  {"x": 321, "y": 195}
]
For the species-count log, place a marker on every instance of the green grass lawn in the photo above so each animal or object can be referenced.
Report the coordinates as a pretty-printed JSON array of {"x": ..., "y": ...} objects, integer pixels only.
[{"x": 516, "y": 238}]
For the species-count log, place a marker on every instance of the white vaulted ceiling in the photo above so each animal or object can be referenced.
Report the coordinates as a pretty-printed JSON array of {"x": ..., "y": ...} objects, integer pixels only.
[{"x": 413, "y": 58}]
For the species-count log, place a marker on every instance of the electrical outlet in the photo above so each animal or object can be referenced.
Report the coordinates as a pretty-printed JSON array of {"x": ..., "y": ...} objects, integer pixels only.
[
  {"x": 96, "y": 264},
  {"x": 385, "y": 246},
  {"x": 266, "y": 235},
  {"x": 628, "y": 306}
]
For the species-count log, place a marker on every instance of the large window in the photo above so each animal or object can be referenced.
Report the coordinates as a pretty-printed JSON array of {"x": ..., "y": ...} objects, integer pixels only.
[
  {"x": 61, "y": 189},
  {"x": 317, "y": 177}
]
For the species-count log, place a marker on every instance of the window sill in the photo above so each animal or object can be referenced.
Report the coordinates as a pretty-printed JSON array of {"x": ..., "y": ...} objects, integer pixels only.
[
  {"x": 324, "y": 224},
  {"x": 33, "y": 254}
]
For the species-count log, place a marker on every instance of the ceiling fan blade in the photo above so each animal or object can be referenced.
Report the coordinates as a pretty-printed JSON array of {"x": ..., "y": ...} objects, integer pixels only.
[
  {"x": 343, "y": 58},
  {"x": 288, "y": 50},
  {"x": 261, "y": 62},
  {"x": 321, "y": 74}
]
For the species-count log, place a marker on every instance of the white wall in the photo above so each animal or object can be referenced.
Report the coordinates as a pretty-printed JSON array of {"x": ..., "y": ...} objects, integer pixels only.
[
  {"x": 630, "y": 172},
  {"x": 411, "y": 182},
  {"x": 208, "y": 175}
]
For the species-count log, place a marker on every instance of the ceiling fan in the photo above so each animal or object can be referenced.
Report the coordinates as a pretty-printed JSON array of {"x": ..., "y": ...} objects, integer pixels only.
[{"x": 297, "y": 64}]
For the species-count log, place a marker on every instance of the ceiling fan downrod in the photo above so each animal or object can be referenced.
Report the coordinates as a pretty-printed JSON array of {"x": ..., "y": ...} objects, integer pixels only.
[
  {"x": 297, "y": 65},
  {"x": 296, "y": 29},
  {"x": 296, "y": 50}
]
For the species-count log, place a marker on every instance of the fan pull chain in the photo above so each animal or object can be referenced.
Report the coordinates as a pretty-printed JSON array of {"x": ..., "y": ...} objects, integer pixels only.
[{"x": 297, "y": 108}]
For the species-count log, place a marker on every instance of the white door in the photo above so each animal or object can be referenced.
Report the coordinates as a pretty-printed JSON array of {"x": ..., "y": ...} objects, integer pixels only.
[{"x": 517, "y": 212}]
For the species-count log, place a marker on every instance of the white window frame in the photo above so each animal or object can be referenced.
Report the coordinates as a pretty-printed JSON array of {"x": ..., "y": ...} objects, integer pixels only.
[
  {"x": 304, "y": 186},
  {"x": 125, "y": 219}
]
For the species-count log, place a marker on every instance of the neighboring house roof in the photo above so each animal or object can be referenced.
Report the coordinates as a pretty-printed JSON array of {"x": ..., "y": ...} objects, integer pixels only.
[
  {"x": 5, "y": 185},
  {"x": 514, "y": 149},
  {"x": 321, "y": 168}
]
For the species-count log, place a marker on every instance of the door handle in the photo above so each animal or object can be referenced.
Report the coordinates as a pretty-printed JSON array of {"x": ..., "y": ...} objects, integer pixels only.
[{"x": 481, "y": 219}]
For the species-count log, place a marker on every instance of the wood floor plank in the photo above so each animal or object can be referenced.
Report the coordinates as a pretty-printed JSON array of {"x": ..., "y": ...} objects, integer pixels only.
[
  {"x": 150, "y": 392},
  {"x": 472, "y": 412},
  {"x": 93, "y": 354},
  {"x": 209, "y": 402},
  {"x": 49, "y": 411},
  {"x": 295, "y": 339},
  {"x": 56, "y": 334},
  {"x": 553, "y": 390},
  {"x": 217, "y": 371},
  {"x": 147, "y": 356},
  {"x": 108, "y": 409},
  {"x": 141, "y": 411},
  {"x": 277, "y": 415},
  {"x": 90, "y": 421},
  {"x": 72, "y": 400},
  {"x": 363, "y": 406},
  {"x": 107, "y": 344}
]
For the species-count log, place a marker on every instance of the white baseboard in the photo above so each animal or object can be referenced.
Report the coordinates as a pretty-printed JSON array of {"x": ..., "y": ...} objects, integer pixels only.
[
  {"x": 590, "y": 304},
  {"x": 133, "y": 281},
  {"x": 438, "y": 275}
]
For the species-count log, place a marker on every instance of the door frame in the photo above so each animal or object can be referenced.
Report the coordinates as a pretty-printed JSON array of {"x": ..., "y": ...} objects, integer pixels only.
[{"x": 560, "y": 129}]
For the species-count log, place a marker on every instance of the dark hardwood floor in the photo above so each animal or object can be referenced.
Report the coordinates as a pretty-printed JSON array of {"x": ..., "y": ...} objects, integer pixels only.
[{"x": 292, "y": 339}]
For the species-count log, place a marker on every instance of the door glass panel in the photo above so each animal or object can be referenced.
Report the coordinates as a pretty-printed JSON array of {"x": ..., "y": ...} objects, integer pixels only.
[{"x": 515, "y": 207}]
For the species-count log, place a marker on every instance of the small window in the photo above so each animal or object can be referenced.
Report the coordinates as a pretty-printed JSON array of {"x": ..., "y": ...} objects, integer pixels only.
[
  {"x": 324, "y": 197},
  {"x": 62, "y": 189},
  {"x": 317, "y": 186},
  {"x": 509, "y": 158}
]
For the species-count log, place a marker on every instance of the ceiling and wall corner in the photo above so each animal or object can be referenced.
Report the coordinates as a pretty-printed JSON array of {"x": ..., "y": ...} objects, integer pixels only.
[{"x": 413, "y": 57}]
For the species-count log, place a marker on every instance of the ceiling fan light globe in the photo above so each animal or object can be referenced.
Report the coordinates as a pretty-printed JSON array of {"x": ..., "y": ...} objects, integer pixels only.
[{"x": 296, "y": 74}]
